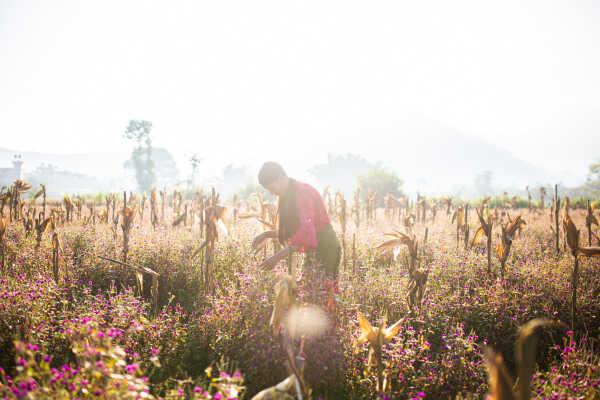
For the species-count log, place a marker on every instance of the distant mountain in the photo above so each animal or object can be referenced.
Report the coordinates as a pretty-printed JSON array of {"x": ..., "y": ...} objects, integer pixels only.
[
  {"x": 434, "y": 158},
  {"x": 428, "y": 156}
]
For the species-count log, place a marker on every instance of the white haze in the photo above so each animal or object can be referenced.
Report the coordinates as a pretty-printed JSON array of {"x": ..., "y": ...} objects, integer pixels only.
[{"x": 246, "y": 81}]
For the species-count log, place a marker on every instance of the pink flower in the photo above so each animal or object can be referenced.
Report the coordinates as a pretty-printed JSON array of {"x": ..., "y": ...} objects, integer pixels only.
[{"x": 131, "y": 368}]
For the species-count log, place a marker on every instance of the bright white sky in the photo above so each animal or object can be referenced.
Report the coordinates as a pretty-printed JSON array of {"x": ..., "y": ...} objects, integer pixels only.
[{"x": 244, "y": 81}]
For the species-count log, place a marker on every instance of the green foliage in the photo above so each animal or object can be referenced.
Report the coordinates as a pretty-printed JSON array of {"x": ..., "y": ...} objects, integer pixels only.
[
  {"x": 577, "y": 203},
  {"x": 165, "y": 167},
  {"x": 195, "y": 161},
  {"x": 253, "y": 187},
  {"x": 574, "y": 375},
  {"x": 103, "y": 369},
  {"x": 141, "y": 156},
  {"x": 502, "y": 201},
  {"x": 382, "y": 182},
  {"x": 233, "y": 177},
  {"x": 342, "y": 170},
  {"x": 593, "y": 180}
]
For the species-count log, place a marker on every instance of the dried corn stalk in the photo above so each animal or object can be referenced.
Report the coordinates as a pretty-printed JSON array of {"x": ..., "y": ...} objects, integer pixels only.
[
  {"x": 40, "y": 228},
  {"x": 416, "y": 288},
  {"x": 163, "y": 199},
  {"x": 4, "y": 197},
  {"x": 508, "y": 234},
  {"x": 542, "y": 195},
  {"x": 434, "y": 210},
  {"x": 27, "y": 224},
  {"x": 92, "y": 217},
  {"x": 467, "y": 228},
  {"x": 68, "y": 207},
  {"x": 180, "y": 218},
  {"x": 421, "y": 207},
  {"x": 78, "y": 205},
  {"x": 142, "y": 206},
  {"x": 3, "y": 226},
  {"x": 177, "y": 201},
  {"x": 376, "y": 337},
  {"x": 577, "y": 251},
  {"x": 356, "y": 208},
  {"x": 392, "y": 207},
  {"x": 18, "y": 188},
  {"x": 36, "y": 196},
  {"x": 55, "y": 249},
  {"x": 556, "y": 212},
  {"x": 500, "y": 382},
  {"x": 590, "y": 219},
  {"x": 341, "y": 215},
  {"x": 213, "y": 218},
  {"x": 485, "y": 228},
  {"x": 43, "y": 200},
  {"x": 459, "y": 217},
  {"x": 447, "y": 201},
  {"x": 153, "y": 209},
  {"x": 128, "y": 214},
  {"x": 371, "y": 206},
  {"x": 402, "y": 239},
  {"x": 285, "y": 299}
]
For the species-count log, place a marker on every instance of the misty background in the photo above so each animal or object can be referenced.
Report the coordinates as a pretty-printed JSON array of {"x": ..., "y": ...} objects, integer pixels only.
[{"x": 447, "y": 95}]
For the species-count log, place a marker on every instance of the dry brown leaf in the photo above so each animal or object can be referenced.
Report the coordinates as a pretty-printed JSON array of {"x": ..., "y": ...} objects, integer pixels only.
[
  {"x": 500, "y": 251},
  {"x": 478, "y": 235},
  {"x": 588, "y": 251},
  {"x": 285, "y": 298},
  {"x": 500, "y": 382},
  {"x": 572, "y": 232}
]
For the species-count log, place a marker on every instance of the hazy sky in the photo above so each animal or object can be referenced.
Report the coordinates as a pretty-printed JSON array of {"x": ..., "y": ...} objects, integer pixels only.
[{"x": 292, "y": 80}]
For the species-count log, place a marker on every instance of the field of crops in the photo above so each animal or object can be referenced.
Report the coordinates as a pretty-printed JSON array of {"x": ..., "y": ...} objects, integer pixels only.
[{"x": 162, "y": 297}]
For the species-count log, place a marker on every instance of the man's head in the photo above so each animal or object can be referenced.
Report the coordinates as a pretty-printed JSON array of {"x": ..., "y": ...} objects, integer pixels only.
[{"x": 273, "y": 178}]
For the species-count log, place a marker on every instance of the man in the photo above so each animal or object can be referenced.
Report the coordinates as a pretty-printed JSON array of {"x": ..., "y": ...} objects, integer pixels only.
[{"x": 303, "y": 222}]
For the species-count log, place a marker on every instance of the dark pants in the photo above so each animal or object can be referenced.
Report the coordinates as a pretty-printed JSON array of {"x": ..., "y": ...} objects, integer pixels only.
[
  {"x": 328, "y": 255},
  {"x": 320, "y": 272}
]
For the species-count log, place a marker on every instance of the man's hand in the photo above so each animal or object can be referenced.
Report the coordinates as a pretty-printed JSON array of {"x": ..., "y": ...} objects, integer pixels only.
[
  {"x": 270, "y": 262},
  {"x": 261, "y": 240}
]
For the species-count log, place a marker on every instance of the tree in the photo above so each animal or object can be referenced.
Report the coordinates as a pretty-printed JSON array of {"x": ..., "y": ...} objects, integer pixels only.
[
  {"x": 253, "y": 187},
  {"x": 234, "y": 178},
  {"x": 195, "y": 161},
  {"x": 382, "y": 182},
  {"x": 341, "y": 171},
  {"x": 141, "y": 156},
  {"x": 593, "y": 178},
  {"x": 165, "y": 168}
]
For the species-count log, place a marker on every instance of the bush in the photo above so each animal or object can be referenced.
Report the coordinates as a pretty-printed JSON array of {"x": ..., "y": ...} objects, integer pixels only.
[{"x": 382, "y": 182}]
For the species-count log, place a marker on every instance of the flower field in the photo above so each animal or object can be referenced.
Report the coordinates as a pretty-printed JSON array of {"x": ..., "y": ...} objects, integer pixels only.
[{"x": 178, "y": 320}]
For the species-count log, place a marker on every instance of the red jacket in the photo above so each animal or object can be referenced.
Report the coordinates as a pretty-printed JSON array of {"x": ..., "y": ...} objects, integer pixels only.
[{"x": 312, "y": 215}]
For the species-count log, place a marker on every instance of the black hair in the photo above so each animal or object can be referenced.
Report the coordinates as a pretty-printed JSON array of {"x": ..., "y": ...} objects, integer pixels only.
[{"x": 270, "y": 172}]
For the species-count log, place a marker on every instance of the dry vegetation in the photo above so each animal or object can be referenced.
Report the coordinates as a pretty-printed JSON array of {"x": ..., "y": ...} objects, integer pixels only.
[{"x": 173, "y": 304}]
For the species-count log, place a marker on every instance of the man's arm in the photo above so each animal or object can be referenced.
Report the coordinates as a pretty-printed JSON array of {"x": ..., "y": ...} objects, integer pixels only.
[{"x": 271, "y": 262}]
